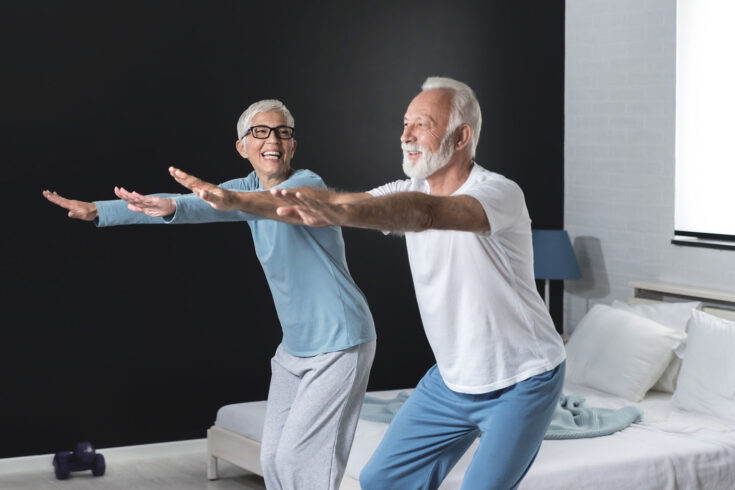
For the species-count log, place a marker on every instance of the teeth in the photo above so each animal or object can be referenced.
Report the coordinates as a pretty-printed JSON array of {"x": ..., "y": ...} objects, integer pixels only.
[{"x": 271, "y": 154}]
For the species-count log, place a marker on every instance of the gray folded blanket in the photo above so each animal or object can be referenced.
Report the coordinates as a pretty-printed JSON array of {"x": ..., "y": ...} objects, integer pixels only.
[{"x": 572, "y": 419}]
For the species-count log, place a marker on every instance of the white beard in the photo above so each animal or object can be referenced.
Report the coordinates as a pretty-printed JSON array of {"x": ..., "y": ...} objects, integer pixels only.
[{"x": 428, "y": 162}]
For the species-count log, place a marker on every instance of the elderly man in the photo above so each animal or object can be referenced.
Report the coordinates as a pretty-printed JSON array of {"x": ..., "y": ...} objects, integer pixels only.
[
  {"x": 499, "y": 361},
  {"x": 320, "y": 370}
]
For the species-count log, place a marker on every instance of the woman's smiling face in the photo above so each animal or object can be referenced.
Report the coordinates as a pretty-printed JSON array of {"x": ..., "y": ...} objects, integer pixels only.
[{"x": 270, "y": 157}]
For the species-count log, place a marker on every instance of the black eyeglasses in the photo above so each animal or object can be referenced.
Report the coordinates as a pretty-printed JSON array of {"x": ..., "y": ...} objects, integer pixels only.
[{"x": 262, "y": 132}]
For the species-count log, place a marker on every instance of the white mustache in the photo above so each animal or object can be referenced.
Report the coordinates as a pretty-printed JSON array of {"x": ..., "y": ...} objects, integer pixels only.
[{"x": 412, "y": 147}]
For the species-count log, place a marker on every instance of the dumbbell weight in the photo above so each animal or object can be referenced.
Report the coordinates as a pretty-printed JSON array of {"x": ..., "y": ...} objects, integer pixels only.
[
  {"x": 84, "y": 453},
  {"x": 98, "y": 467},
  {"x": 82, "y": 458},
  {"x": 61, "y": 465}
]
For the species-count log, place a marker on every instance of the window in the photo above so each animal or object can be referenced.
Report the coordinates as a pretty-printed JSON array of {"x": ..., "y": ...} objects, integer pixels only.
[{"x": 705, "y": 124}]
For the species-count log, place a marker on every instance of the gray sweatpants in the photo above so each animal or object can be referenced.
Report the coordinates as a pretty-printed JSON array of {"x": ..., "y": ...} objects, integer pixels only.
[{"x": 311, "y": 416}]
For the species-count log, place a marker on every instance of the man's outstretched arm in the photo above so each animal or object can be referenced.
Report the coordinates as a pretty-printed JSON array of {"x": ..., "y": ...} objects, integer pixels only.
[
  {"x": 400, "y": 212},
  {"x": 263, "y": 203}
]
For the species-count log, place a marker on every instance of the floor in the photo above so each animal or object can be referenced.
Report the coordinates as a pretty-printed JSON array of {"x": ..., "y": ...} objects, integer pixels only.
[{"x": 186, "y": 472}]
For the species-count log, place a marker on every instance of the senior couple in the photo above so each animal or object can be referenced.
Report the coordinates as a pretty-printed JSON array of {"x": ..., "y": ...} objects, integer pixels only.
[{"x": 499, "y": 361}]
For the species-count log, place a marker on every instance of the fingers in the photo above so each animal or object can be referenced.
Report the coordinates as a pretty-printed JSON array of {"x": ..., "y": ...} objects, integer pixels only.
[
  {"x": 177, "y": 173},
  {"x": 181, "y": 177},
  {"x": 310, "y": 218},
  {"x": 213, "y": 194},
  {"x": 306, "y": 215},
  {"x": 288, "y": 196},
  {"x": 308, "y": 201},
  {"x": 135, "y": 198},
  {"x": 297, "y": 198},
  {"x": 77, "y": 209},
  {"x": 124, "y": 194},
  {"x": 189, "y": 181},
  {"x": 282, "y": 193},
  {"x": 57, "y": 199},
  {"x": 297, "y": 212},
  {"x": 129, "y": 197},
  {"x": 148, "y": 201},
  {"x": 287, "y": 211},
  {"x": 312, "y": 212}
]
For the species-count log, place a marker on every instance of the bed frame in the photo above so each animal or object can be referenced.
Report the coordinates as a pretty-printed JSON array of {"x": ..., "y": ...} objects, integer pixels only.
[
  {"x": 244, "y": 452},
  {"x": 232, "y": 447},
  {"x": 714, "y": 302}
]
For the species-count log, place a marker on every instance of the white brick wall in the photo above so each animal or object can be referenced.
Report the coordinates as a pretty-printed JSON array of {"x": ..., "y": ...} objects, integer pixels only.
[{"x": 619, "y": 154}]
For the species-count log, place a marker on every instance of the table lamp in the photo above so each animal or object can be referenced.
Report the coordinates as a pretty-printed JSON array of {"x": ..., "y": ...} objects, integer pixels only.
[{"x": 553, "y": 258}]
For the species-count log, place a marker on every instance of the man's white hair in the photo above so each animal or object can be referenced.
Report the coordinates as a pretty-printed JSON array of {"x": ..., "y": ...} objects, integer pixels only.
[
  {"x": 465, "y": 107},
  {"x": 267, "y": 105}
]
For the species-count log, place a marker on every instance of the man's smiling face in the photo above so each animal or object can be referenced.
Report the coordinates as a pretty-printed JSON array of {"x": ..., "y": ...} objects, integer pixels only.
[{"x": 426, "y": 145}]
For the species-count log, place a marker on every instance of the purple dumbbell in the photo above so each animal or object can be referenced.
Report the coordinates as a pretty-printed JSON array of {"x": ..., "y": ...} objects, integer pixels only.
[{"x": 83, "y": 458}]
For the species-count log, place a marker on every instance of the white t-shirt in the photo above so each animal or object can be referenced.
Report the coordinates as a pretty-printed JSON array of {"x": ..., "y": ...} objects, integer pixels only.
[{"x": 484, "y": 319}]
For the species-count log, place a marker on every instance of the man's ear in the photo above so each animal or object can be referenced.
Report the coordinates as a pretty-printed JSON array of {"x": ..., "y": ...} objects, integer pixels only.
[
  {"x": 241, "y": 148},
  {"x": 293, "y": 150},
  {"x": 462, "y": 136}
]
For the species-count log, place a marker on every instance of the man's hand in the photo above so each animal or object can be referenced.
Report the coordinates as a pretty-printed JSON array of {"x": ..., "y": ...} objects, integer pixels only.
[
  {"x": 86, "y": 211},
  {"x": 310, "y": 211},
  {"x": 217, "y": 197},
  {"x": 150, "y": 205}
]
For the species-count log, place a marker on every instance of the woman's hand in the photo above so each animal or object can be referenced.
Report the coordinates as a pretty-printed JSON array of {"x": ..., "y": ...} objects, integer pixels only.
[
  {"x": 85, "y": 211},
  {"x": 150, "y": 205}
]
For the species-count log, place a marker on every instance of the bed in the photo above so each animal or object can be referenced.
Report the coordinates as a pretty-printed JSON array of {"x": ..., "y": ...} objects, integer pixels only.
[{"x": 670, "y": 448}]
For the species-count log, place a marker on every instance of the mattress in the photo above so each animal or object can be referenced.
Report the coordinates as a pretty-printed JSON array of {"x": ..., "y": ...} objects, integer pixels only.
[
  {"x": 668, "y": 449},
  {"x": 245, "y": 419}
]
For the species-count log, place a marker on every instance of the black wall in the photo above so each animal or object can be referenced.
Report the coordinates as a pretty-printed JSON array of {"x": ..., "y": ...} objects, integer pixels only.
[{"x": 135, "y": 335}]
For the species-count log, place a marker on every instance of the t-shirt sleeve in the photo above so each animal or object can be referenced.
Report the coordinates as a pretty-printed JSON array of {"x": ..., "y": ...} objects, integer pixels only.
[
  {"x": 391, "y": 188},
  {"x": 502, "y": 201}
]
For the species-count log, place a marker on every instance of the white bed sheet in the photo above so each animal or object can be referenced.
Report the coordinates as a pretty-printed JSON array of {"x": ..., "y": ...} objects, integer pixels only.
[
  {"x": 668, "y": 449},
  {"x": 246, "y": 419}
]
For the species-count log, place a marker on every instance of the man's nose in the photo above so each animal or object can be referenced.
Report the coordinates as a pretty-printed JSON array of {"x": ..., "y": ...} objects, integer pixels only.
[{"x": 407, "y": 135}]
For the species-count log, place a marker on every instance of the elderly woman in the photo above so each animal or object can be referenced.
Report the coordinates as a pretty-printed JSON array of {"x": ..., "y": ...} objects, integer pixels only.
[{"x": 320, "y": 370}]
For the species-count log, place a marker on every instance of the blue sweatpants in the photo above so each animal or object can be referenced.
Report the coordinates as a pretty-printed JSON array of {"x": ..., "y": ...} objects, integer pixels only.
[{"x": 436, "y": 425}]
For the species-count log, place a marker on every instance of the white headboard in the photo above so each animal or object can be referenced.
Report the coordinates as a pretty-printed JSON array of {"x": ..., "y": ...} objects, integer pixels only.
[{"x": 714, "y": 302}]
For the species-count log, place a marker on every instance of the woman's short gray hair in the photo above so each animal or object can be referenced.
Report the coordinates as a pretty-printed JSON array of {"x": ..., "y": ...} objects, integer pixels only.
[
  {"x": 267, "y": 105},
  {"x": 465, "y": 107}
]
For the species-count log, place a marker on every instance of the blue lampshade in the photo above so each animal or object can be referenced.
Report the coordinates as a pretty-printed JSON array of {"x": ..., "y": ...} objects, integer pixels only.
[{"x": 553, "y": 255}]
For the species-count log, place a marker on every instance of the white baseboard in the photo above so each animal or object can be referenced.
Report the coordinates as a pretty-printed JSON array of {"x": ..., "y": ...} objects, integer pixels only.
[{"x": 28, "y": 464}]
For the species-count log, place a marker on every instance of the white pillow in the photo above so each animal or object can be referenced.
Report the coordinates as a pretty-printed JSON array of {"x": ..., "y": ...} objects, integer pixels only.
[
  {"x": 707, "y": 378},
  {"x": 672, "y": 315},
  {"x": 619, "y": 352}
]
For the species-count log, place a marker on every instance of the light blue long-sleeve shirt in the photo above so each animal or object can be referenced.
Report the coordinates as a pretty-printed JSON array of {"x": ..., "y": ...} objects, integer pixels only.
[{"x": 320, "y": 307}]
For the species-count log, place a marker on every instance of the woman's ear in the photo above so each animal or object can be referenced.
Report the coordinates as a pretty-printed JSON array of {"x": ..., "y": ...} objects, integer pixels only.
[{"x": 241, "y": 148}]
